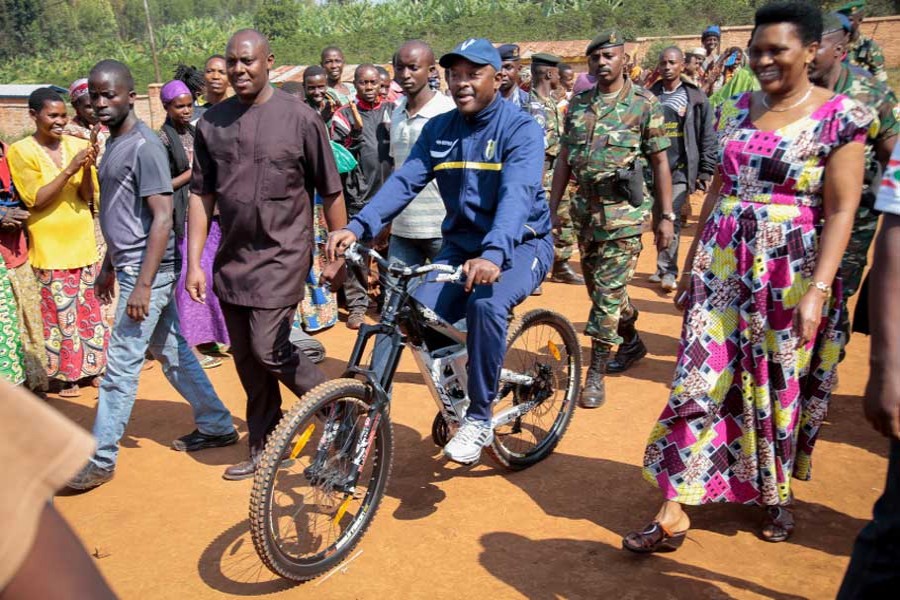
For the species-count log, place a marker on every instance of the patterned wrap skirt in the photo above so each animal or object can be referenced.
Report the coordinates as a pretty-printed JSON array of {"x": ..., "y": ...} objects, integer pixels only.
[
  {"x": 11, "y": 356},
  {"x": 318, "y": 309},
  {"x": 75, "y": 332},
  {"x": 746, "y": 403},
  {"x": 28, "y": 299}
]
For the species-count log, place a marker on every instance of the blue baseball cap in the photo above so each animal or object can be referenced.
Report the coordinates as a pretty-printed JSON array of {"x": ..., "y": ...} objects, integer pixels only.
[
  {"x": 479, "y": 51},
  {"x": 711, "y": 30}
]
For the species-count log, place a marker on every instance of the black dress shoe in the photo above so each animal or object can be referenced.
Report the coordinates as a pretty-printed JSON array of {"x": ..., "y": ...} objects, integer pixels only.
[
  {"x": 243, "y": 470},
  {"x": 196, "y": 440},
  {"x": 89, "y": 477}
]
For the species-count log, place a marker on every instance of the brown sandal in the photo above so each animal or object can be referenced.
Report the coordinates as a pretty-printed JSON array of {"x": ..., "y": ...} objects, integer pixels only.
[
  {"x": 778, "y": 524},
  {"x": 70, "y": 391},
  {"x": 654, "y": 538}
]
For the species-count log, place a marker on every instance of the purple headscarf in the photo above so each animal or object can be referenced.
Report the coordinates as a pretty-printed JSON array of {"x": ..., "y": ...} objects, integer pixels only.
[
  {"x": 584, "y": 81},
  {"x": 172, "y": 90}
]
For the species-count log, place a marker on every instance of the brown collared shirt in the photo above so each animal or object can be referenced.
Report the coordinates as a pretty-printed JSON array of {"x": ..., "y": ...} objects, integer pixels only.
[{"x": 264, "y": 163}]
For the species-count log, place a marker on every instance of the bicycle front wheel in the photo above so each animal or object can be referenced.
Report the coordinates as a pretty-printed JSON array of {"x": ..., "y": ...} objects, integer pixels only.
[{"x": 306, "y": 514}]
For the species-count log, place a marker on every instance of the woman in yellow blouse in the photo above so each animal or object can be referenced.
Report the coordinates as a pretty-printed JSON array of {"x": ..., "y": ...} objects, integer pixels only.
[{"x": 56, "y": 179}]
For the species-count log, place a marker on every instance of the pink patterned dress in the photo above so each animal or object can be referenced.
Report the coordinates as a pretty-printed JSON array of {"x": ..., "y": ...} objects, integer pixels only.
[{"x": 746, "y": 404}]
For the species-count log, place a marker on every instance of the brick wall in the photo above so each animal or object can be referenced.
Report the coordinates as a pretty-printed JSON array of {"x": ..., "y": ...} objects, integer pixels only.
[{"x": 15, "y": 122}]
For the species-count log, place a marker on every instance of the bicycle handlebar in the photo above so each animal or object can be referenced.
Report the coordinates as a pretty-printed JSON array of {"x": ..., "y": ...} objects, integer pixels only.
[{"x": 448, "y": 273}]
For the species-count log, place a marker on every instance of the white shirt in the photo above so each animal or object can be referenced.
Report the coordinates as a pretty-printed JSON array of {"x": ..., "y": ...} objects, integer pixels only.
[
  {"x": 888, "y": 199},
  {"x": 422, "y": 218}
]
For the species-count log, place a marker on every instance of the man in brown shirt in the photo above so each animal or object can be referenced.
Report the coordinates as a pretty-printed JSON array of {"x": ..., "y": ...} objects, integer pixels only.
[{"x": 259, "y": 157}]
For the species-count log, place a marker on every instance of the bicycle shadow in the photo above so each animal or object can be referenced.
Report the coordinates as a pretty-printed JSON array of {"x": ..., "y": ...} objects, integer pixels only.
[
  {"x": 529, "y": 566},
  {"x": 229, "y": 564}
]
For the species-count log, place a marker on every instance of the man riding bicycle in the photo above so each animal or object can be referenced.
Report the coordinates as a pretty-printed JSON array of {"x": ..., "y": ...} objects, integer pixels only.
[{"x": 487, "y": 157}]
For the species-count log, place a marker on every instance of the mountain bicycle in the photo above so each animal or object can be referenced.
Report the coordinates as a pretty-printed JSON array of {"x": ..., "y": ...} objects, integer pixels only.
[{"x": 325, "y": 468}]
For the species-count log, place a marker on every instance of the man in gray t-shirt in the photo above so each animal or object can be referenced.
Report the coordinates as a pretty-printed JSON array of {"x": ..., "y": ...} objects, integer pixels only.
[
  {"x": 136, "y": 217},
  {"x": 136, "y": 168}
]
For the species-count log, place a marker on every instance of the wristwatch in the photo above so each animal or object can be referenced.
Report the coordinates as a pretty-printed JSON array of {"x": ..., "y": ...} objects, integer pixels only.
[
  {"x": 821, "y": 286},
  {"x": 669, "y": 216}
]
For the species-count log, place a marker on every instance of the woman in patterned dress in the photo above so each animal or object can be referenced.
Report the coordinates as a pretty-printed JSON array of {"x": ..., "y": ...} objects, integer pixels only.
[
  {"x": 56, "y": 180},
  {"x": 760, "y": 293}
]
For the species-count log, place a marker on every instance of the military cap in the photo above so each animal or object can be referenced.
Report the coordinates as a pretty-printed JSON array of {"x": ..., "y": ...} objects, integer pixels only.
[
  {"x": 543, "y": 58},
  {"x": 509, "y": 52},
  {"x": 853, "y": 7},
  {"x": 835, "y": 21},
  {"x": 606, "y": 39}
]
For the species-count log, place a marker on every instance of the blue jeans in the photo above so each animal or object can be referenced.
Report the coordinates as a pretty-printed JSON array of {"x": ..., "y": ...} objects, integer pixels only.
[
  {"x": 128, "y": 344},
  {"x": 667, "y": 260}
]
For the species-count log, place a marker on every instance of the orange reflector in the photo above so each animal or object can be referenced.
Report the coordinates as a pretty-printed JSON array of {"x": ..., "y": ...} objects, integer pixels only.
[
  {"x": 302, "y": 440},
  {"x": 342, "y": 509},
  {"x": 554, "y": 351}
]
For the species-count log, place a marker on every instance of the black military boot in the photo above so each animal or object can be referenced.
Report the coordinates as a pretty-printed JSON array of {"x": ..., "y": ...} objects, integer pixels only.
[
  {"x": 631, "y": 350},
  {"x": 593, "y": 395},
  {"x": 563, "y": 273}
]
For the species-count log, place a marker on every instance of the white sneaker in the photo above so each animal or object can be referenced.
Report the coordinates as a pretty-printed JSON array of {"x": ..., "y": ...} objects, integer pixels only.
[
  {"x": 655, "y": 278},
  {"x": 466, "y": 445}
]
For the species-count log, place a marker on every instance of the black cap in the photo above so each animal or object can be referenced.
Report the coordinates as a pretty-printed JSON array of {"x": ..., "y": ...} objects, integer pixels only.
[
  {"x": 509, "y": 52},
  {"x": 606, "y": 39},
  {"x": 543, "y": 58}
]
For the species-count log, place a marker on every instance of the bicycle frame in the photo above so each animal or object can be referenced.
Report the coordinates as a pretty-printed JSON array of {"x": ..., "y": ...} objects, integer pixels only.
[{"x": 444, "y": 367}]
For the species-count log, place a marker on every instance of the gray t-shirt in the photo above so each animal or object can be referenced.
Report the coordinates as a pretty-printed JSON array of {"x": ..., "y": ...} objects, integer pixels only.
[{"x": 134, "y": 166}]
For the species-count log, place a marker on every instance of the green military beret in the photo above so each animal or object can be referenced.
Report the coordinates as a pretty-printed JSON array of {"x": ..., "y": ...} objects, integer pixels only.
[
  {"x": 543, "y": 58},
  {"x": 606, "y": 39},
  {"x": 852, "y": 7},
  {"x": 833, "y": 21}
]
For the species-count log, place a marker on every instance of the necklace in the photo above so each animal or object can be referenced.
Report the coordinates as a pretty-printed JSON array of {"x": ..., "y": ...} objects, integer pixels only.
[{"x": 765, "y": 101}]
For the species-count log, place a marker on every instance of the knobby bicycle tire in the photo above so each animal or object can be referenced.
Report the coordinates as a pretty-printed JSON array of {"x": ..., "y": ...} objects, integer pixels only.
[
  {"x": 573, "y": 349},
  {"x": 261, "y": 529}
]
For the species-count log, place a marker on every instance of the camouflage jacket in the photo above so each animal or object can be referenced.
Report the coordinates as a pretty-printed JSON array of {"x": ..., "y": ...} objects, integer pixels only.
[
  {"x": 858, "y": 84},
  {"x": 552, "y": 123},
  {"x": 866, "y": 53},
  {"x": 602, "y": 138}
]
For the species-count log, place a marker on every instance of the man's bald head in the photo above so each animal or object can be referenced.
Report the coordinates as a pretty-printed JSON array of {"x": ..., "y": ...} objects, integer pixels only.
[
  {"x": 114, "y": 71},
  {"x": 248, "y": 58},
  {"x": 674, "y": 51},
  {"x": 418, "y": 47},
  {"x": 251, "y": 36}
]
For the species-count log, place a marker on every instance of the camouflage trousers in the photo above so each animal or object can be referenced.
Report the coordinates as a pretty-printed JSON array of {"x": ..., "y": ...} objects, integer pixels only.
[
  {"x": 608, "y": 267},
  {"x": 564, "y": 244},
  {"x": 855, "y": 259}
]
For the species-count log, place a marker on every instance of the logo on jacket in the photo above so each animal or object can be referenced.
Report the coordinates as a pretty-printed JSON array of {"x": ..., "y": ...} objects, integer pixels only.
[
  {"x": 443, "y": 153},
  {"x": 489, "y": 149}
]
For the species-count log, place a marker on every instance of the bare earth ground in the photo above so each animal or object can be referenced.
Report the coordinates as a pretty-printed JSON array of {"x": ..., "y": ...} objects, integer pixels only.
[{"x": 168, "y": 526}]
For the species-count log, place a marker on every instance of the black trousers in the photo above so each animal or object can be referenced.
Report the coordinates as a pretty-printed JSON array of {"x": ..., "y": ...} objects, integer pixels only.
[
  {"x": 263, "y": 356},
  {"x": 874, "y": 570}
]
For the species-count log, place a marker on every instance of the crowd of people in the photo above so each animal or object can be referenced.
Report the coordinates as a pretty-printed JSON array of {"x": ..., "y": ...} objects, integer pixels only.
[{"x": 225, "y": 230}]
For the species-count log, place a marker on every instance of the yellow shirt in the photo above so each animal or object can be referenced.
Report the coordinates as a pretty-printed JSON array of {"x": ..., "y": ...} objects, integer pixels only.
[{"x": 61, "y": 235}]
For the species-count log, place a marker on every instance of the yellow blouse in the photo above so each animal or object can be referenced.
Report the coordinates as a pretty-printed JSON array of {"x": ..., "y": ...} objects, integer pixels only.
[{"x": 61, "y": 235}]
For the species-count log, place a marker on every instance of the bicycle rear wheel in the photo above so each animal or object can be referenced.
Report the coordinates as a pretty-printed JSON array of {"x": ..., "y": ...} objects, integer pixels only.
[
  {"x": 304, "y": 516},
  {"x": 541, "y": 345}
]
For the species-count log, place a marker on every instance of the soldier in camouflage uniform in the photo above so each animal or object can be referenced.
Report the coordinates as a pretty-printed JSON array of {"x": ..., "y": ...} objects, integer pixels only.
[
  {"x": 829, "y": 72},
  {"x": 863, "y": 51},
  {"x": 609, "y": 132},
  {"x": 545, "y": 81}
]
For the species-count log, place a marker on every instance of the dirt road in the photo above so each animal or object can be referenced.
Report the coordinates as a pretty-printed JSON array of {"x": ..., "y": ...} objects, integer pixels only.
[{"x": 168, "y": 526}]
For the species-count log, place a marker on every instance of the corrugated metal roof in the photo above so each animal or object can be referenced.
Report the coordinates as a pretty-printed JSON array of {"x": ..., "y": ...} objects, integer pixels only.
[{"x": 23, "y": 90}]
